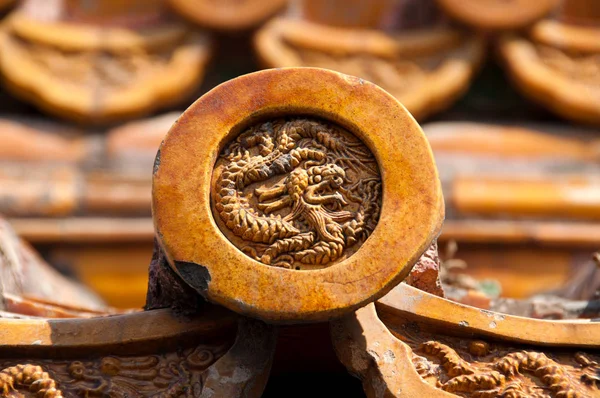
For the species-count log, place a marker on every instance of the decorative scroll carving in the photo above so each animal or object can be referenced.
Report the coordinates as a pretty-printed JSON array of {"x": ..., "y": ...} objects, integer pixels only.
[
  {"x": 476, "y": 368},
  {"x": 399, "y": 351},
  {"x": 297, "y": 193},
  {"x": 173, "y": 374},
  {"x": 109, "y": 73},
  {"x": 109, "y": 70},
  {"x": 581, "y": 68}
]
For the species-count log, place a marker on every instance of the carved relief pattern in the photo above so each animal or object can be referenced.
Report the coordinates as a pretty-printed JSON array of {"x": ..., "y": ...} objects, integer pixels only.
[
  {"x": 297, "y": 193},
  {"x": 103, "y": 69},
  {"x": 29, "y": 378},
  {"x": 175, "y": 374},
  {"x": 583, "y": 68},
  {"x": 476, "y": 368}
]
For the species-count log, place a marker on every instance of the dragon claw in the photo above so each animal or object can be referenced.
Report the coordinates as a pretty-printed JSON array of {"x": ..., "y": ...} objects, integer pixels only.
[{"x": 340, "y": 198}]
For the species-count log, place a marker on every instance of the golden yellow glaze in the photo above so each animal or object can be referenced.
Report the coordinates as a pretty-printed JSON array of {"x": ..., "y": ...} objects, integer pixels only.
[
  {"x": 57, "y": 86},
  {"x": 571, "y": 197},
  {"x": 227, "y": 15},
  {"x": 347, "y": 13},
  {"x": 411, "y": 213},
  {"x": 555, "y": 89},
  {"x": 78, "y": 37},
  {"x": 497, "y": 14},
  {"x": 422, "y": 88},
  {"x": 466, "y": 320},
  {"x": 507, "y": 142},
  {"x": 146, "y": 327},
  {"x": 395, "y": 347},
  {"x": 363, "y": 343},
  {"x": 576, "y": 38}
]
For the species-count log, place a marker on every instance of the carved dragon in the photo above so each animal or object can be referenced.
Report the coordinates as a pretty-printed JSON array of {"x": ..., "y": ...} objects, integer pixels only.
[
  {"x": 30, "y": 377},
  {"x": 504, "y": 375},
  {"x": 169, "y": 375},
  {"x": 325, "y": 168}
]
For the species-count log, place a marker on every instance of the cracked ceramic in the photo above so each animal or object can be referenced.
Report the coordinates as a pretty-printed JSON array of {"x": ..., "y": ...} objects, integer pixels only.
[{"x": 292, "y": 185}]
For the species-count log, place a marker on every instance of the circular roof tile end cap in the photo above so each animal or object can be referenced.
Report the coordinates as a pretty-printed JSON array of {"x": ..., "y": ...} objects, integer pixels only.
[
  {"x": 295, "y": 195},
  {"x": 94, "y": 72}
]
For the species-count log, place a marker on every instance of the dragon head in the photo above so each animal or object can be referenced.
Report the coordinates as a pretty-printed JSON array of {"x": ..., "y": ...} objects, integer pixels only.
[{"x": 330, "y": 175}]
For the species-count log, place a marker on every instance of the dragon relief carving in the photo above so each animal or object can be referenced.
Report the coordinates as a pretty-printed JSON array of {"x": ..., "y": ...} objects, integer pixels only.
[
  {"x": 170, "y": 375},
  {"x": 108, "y": 70},
  {"x": 476, "y": 368},
  {"x": 297, "y": 193},
  {"x": 30, "y": 378}
]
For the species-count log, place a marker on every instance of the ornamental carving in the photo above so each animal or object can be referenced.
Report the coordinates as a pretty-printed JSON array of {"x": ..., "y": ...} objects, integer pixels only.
[
  {"x": 108, "y": 70},
  {"x": 30, "y": 378},
  {"x": 477, "y": 368},
  {"x": 297, "y": 193},
  {"x": 174, "y": 374}
]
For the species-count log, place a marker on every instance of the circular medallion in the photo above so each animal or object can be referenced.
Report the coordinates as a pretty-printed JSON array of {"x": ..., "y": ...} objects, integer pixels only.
[{"x": 295, "y": 195}]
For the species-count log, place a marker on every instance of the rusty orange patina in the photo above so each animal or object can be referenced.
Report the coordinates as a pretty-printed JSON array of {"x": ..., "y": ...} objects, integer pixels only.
[{"x": 411, "y": 206}]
